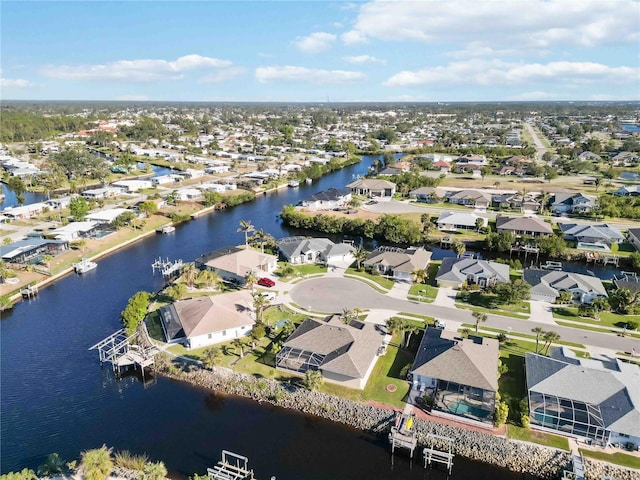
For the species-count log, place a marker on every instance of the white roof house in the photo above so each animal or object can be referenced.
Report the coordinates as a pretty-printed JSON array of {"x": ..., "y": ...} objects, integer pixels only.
[
  {"x": 462, "y": 220},
  {"x": 106, "y": 216},
  {"x": 74, "y": 230},
  {"x": 131, "y": 186}
]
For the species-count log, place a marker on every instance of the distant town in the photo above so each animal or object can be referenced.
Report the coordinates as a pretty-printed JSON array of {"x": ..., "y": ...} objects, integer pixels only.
[{"x": 482, "y": 273}]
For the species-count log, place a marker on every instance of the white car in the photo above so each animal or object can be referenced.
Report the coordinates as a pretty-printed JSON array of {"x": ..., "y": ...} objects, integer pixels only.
[{"x": 271, "y": 296}]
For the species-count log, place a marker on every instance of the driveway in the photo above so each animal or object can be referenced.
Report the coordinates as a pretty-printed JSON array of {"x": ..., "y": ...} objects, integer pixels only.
[
  {"x": 541, "y": 312},
  {"x": 331, "y": 295}
]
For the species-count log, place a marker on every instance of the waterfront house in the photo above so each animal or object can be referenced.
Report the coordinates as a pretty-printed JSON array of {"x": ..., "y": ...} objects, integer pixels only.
[
  {"x": 625, "y": 159},
  {"x": 398, "y": 263},
  {"x": 628, "y": 191},
  {"x": 298, "y": 250},
  {"x": 202, "y": 321},
  {"x": 345, "y": 354},
  {"x": 628, "y": 280},
  {"x": 546, "y": 286},
  {"x": 327, "y": 199},
  {"x": 530, "y": 226},
  {"x": 24, "y": 212},
  {"x": 451, "y": 221},
  {"x": 59, "y": 203},
  {"x": 633, "y": 236},
  {"x": 457, "y": 375},
  {"x": 74, "y": 230},
  {"x": 455, "y": 271},
  {"x": 102, "y": 193},
  {"x": 233, "y": 264},
  {"x": 132, "y": 186},
  {"x": 371, "y": 187},
  {"x": 106, "y": 216},
  {"x": 572, "y": 203},
  {"x": 597, "y": 400},
  {"x": 591, "y": 235},
  {"x": 31, "y": 250}
]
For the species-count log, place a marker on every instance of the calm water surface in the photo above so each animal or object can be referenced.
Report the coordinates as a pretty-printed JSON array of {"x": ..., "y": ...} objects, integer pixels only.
[{"x": 55, "y": 397}]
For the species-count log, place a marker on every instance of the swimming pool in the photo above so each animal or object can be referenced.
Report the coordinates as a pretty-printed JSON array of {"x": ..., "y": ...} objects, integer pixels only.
[
  {"x": 593, "y": 246},
  {"x": 463, "y": 408}
]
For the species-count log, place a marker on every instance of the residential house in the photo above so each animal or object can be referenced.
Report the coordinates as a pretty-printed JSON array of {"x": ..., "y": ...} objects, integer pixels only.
[
  {"x": 458, "y": 375},
  {"x": 106, "y": 216},
  {"x": 203, "y": 321},
  {"x": 455, "y": 271},
  {"x": 74, "y": 231},
  {"x": 327, "y": 199},
  {"x": 345, "y": 354},
  {"x": 132, "y": 186},
  {"x": 628, "y": 191},
  {"x": 628, "y": 280},
  {"x": 390, "y": 171},
  {"x": 530, "y": 226},
  {"x": 546, "y": 286},
  {"x": 470, "y": 198},
  {"x": 297, "y": 250},
  {"x": 515, "y": 201},
  {"x": 24, "y": 212},
  {"x": 625, "y": 159},
  {"x": 398, "y": 263},
  {"x": 633, "y": 236},
  {"x": 102, "y": 193},
  {"x": 234, "y": 264},
  {"x": 442, "y": 166},
  {"x": 425, "y": 194},
  {"x": 371, "y": 187},
  {"x": 572, "y": 203},
  {"x": 595, "y": 400},
  {"x": 585, "y": 236},
  {"x": 589, "y": 157},
  {"x": 450, "y": 221},
  {"x": 31, "y": 250},
  {"x": 59, "y": 203}
]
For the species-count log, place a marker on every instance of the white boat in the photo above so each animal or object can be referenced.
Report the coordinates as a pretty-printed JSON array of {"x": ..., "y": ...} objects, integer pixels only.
[
  {"x": 294, "y": 183},
  {"x": 85, "y": 265},
  {"x": 166, "y": 229},
  {"x": 556, "y": 266}
]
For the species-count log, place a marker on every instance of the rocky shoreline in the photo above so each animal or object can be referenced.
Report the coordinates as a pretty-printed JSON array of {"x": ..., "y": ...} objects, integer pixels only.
[{"x": 542, "y": 462}]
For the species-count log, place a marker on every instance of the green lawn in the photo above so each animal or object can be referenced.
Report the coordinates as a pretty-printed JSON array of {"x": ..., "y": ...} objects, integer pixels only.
[
  {"x": 618, "y": 458},
  {"x": 488, "y": 301},
  {"x": 606, "y": 319},
  {"x": 511, "y": 384},
  {"x": 385, "y": 283},
  {"x": 492, "y": 311},
  {"x": 424, "y": 318},
  {"x": 422, "y": 292},
  {"x": 154, "y": 327},
  {"x": 274, "y": 314},
  {"x": 518, "y": 334},
  {"x": 541, "y": 438},
  {"x": 301, "y": 270}
]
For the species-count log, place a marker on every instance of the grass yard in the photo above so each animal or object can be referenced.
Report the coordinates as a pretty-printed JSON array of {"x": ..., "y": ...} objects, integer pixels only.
[
  {"x": 618, "y": 458},
  {"x": 274, "y": 314},
  {"x": 301, "y": 270},
  {"x": 511, "y": 384},
  {"x": 422, "y": 292},
  {"x": 492, "y": 311},
  {"x": 488, "y": 302},
  {"x": 606, "y": 319},
  {"x": 424, "y": 318},
  {"x": 541, "y": 438},
  {"x": 522, "y": 335},
  {"x": 383, "y": 282}
]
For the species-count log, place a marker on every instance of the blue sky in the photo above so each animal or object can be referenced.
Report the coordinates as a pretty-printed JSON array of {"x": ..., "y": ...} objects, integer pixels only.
[{"x": 429, "y": 50}]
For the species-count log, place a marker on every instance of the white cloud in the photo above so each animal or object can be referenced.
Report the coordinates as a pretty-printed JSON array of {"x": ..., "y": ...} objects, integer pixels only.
[
  {"x": 496, "y": 72},
  {"x": 316, "y": 42},
  {"x": 15, "y": 83},
  {"x": 142, "y": 70},
  {"x": 538, "y": 23},
  {"x": 289, "y": 73},
  {"x": 361, "y": 59},
  {"x": 222, "y": 75}
]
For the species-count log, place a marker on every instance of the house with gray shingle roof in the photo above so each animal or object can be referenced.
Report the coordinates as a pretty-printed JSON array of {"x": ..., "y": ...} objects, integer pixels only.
[
  {"x": 470, "y": 198},
  {"x": 455, "y": 271},
  {"x": 459, "y": 221},
  {"x": 633, "y": 236},
  {"x": 602, "y": 234},
  {"x": 372, "y": 187},
  {"x": 344, "y": 353},
  {"x": 299, "y": 250},
  {"x": 327, "y": 199},
  {"x": 460, "y": 375},
  {"x": 531, "y": 226},
  {"x": 546, "y": 286},
  {"x": 628, "y": 191},
  {"x": 398, "y": 262},
  {"x": 572, "y": 203},
  {"x": 585, "y": 398}
]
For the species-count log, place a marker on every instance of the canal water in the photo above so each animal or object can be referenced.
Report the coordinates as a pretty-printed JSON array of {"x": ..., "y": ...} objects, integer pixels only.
[{"x": 55, "y": 397}]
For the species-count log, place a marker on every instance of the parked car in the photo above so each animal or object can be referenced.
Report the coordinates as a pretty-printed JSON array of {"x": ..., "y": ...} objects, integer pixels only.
[
  {"x": 271, "y": 296},
  {"x": 266, "y": 282}
]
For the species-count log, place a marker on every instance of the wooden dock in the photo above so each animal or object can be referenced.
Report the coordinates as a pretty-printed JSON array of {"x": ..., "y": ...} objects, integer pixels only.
[
  {"x": 402, "y": 434},
  {"x": 30, "y": 291},
  {"x": 577, "y": 472},
  {"x": 438, "y": 455},
  {"x": 231, "y": 467},
  {"x": 166, "y": 267}
]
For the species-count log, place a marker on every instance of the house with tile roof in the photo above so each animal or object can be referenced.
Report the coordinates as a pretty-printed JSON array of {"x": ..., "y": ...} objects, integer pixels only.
[
  {"x": 455, "y": 271},
  {"x": 298, "y": 250},
  {"x": 530, "y": 226},
  {"x": 546, "y": 286},
  {"x": 202, "y": 321},
  {"x": 345, "y": 354},
  {"x": 587, "y": 398},
  {"x": 398, "y": 263},
  {"x": 373, "y": 187},
  {"x": 233, "y": 264},
  {"x": 458, "y": 375}
]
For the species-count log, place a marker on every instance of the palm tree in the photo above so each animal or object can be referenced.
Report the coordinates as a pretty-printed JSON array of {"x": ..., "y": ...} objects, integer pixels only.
[
  {"x": 410, "y": 330},
  {"x": 539, "y": 332},
  {"x": 360, "y": 254},
  {"x": 258, "y": 238},
  {"x": 52, "y": 466},
  {"x": 549, "y": 338},
  {"x": 238, "y": 343},
  {"x": 209, "y": 278},
  {"x": 480, "y": 317},
  {"x": 46, "y": 260},
  {"x": 419, "y": 275},
  {"x": 246, "y": 227},
  {"x": 458, "y": 247},
  {"x": 211, "y": 356},
  {"x": 154, "y": 471},
  {"x": 190, "y": 272},
  {"x": 260, "y": 302},
  {"x": 250, "y": 280},
  {"x": 96, "y": 464},
  {"x": 397, "y": 325}
]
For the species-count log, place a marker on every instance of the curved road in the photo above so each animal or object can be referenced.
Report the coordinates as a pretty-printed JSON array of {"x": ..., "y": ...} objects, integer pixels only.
[{"x": 332, "y": 294}]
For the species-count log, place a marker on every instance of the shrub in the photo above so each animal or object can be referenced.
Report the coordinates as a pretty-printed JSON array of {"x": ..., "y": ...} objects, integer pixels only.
[
  {"x": 404, "y": 371},
  {"x": 154, "y": 471},
  {"x": 24, "y": 474},
  {"x": 126, "y": 459},
  {"x": 501, "y": 413},
  {"x": 96, "y": 464}
]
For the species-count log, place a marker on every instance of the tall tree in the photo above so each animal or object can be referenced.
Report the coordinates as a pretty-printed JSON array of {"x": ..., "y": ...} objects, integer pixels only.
[
  {"x": 539, "y": 333},
  {"x": 250, "y": 280},
  {"x": 360, "y": 255},
  {"x": 549, "y": 338},
  {"x": 480, "y": 317},
  {"x": 246, "y": 227},
  {"x": 419, "y": 275},
  {"x": 260, "y": 302}
]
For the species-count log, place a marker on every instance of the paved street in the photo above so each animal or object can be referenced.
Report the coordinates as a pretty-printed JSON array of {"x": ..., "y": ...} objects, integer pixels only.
[{"x": 333, "y": 294}]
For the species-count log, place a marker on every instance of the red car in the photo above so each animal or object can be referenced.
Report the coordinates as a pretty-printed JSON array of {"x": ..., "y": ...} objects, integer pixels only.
[{"x": 266, "y": 282}]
